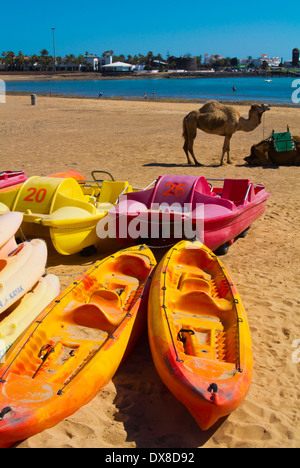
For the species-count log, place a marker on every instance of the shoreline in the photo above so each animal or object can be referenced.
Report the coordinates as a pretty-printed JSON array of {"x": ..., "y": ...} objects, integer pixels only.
[
  {"x": 141, "y": 99},
  {"x": 87, "y": 76}
]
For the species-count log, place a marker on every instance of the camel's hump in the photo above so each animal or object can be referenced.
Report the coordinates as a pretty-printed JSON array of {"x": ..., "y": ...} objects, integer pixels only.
[{"x": 216, "y": 107}]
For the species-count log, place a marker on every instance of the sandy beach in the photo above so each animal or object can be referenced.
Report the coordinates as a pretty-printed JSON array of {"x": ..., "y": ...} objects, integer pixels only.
[{"x": 138, "y": 141}]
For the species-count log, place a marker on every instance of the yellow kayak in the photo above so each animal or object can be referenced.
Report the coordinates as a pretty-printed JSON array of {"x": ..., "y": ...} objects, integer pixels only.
[
  {"x": 75, "y": 345},
  {"x": 198, "y": 333},
  {"x": 64, "y": 209}
]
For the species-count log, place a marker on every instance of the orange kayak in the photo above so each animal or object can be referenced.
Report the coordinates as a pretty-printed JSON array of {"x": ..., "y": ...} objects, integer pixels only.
[
  {"x": 75, "y": 346},
  {"x": 198, "y": 333}
]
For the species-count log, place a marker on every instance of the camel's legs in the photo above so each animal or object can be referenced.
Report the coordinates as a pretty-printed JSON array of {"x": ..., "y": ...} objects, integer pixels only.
[
  {"x": 185, "y": 148},
  {"x": 189, "y": 144},
  {"x": 226, "y": 149}
]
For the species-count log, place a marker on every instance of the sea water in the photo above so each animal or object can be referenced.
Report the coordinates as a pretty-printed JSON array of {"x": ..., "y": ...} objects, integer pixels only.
[{"x": 269, "y": 90}]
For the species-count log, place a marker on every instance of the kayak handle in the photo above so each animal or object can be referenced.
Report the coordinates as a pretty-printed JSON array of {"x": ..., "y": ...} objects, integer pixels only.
[
  {"x": 213, "y": 388},
  {"x": 5, "y": 410},
  {"x": 184, "y": 330},
  {"x": 48, "y": 349}
]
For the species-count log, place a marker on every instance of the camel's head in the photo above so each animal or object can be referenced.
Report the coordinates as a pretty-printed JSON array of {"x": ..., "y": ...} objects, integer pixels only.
[{"x": 259, "y": 108}]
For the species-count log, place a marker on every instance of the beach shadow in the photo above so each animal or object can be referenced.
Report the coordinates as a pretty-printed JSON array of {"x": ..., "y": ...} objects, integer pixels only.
[
  {"x": 270, "y": 167},
  {"x": 253, "y": 167},
  {"x": 165, "y": 165},
  {"x": 151, "y": 415},
  {"x": 179, "y": 165}
]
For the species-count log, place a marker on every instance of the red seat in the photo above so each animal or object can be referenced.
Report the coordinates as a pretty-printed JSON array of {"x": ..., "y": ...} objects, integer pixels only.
[{"x": 236, "y": 190}]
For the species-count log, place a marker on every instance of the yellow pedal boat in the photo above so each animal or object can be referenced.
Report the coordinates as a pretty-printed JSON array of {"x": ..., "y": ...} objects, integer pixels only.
[{"x": 64, "y": 209}]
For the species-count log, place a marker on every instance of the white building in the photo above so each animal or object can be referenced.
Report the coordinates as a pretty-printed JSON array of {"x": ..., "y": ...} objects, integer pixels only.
[
  {"x": 271, "y": 61},
  {"x": 117, "y": 67},
  {"x": 92, "y": 60}
]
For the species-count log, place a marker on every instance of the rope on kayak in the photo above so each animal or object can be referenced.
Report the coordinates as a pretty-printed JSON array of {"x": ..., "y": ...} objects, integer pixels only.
[
  {"x": 238, "y": 318},
  {"x": 165, "y": 309}
]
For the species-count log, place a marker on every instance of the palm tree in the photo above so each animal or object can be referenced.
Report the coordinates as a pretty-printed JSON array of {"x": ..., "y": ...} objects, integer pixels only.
[
  {"x": 69, "y": 59},
  {"x": 9, "y": 60},
  {"x": 45, "y": 59},
  {"x": 20, "y": 61},
  {"x": 44, "y": 52},
  {"x": 141, "y": 59},
  {"x": 149, "y": 57},
  {"x": 34, "y": 59},
  {"x": 79, "y": 60}
]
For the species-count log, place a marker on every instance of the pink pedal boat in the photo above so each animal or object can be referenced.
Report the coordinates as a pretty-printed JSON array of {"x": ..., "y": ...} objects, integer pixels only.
[
  {"x": 9, "y": 178},
  {"x": 186, "y": 207}
]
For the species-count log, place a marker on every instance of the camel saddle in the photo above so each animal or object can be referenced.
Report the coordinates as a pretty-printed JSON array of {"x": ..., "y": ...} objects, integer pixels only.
[{"x": 283, "y": 141}]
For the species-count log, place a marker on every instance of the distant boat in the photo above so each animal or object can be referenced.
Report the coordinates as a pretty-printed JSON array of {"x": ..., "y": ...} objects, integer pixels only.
[{"x": 268, "y": 81}]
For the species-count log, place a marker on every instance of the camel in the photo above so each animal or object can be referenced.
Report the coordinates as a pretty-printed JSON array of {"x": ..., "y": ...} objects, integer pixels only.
[
  {"x": 264, "y": 154},
  {"x": 219, "y": 119}
]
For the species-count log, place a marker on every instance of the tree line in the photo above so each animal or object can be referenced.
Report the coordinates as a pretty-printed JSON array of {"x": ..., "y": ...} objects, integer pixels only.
[{"x": 45, "y": 61}]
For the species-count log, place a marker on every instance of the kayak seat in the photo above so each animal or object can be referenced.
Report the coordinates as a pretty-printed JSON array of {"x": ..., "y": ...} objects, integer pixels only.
[
  {"x": 132, "y": 265},
  {"x": 194, "y": 284},
  {"x": 103, "y": 311},
  {"x": 201, "y": 303},
  {"x": 93, "y": 316},
  {"x": 188, "y": 261},
  {"x": 106, "y": 298}
]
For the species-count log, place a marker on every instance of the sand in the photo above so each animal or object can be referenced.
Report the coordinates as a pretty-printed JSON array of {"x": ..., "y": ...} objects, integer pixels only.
[{"x": 139, "y": 141}]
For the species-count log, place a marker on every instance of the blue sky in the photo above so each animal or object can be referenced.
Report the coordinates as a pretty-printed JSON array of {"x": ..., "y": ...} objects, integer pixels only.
[{"x": 132, "y": 27}]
